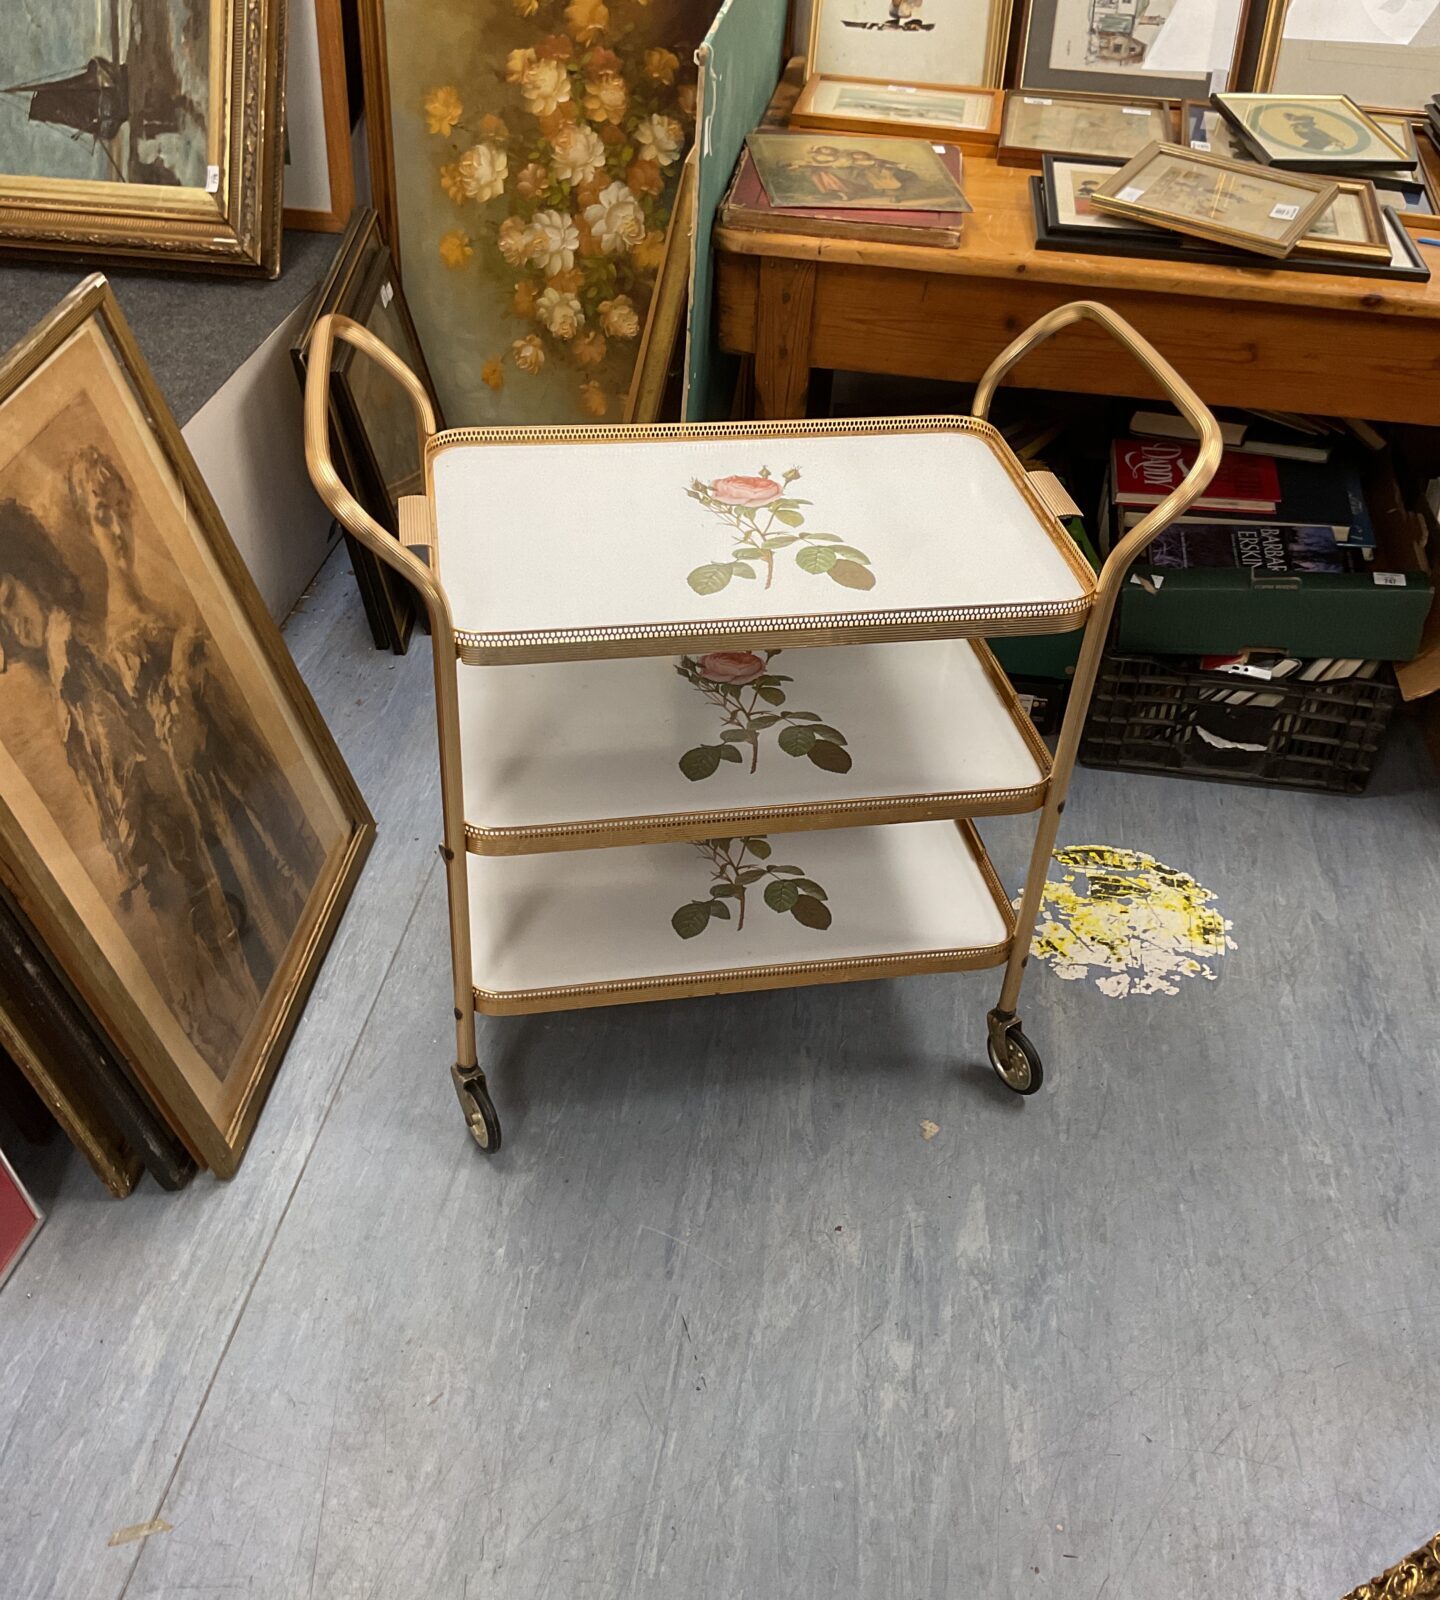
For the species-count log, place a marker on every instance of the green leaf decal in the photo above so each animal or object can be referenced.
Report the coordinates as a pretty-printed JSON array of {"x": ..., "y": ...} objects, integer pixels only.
[
  {"x": 852, "y": 575},
  {"x": 766, "y": 719},
  {"x": 797, "y": 870},
  {"x": 692, "y": 919},
  {"x": 725, "y": 752},
  {"x": 802, "y": 716},
  {"x": 732, "y": 735},
  {"x": 823, "y": 730},
  {"x": 811, "y": 913},
  {"x": 778, "y": 541},
  {"x": 791, "y": 519},
  {"x": 700, "y": 762},
  {"x": 718, "y": 908},
  {"x": 817, "y": 559},
  {"x": 829, "y": 757},
  {"x": 780, "y": 896},
  {"x": 772, "y": 697},
  {"x": 809, "y": 886},
  {"x": 751, "y": 875},
  {"x": 851, "y": 551},
  {"x": 834, "y": 538},
  {"x": 759, "y": 848},
  {"x": 709, "y": 579},
  {"x": 797, "y": 741},
  {"x": 726, "y": 891},
  {"x": 742, "y": 569}
]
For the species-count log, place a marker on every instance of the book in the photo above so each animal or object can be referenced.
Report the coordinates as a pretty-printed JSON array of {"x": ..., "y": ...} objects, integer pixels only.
[
  {"x": 1255, "y": 435},
  {"x": 747, "y": 207},
  {"x": 1262, "y": 548},
  {"x": 1146, "y": 470},
  {"x": 1312, "y": 494}
]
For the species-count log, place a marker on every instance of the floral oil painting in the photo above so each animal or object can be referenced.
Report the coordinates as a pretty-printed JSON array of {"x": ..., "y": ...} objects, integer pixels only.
[
  {"x": 113, "y": 90},
  {"x": 536, "y": 148}
]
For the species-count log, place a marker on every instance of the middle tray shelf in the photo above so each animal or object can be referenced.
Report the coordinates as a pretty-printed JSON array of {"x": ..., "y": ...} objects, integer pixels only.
[{"x": 580, "y": 755}]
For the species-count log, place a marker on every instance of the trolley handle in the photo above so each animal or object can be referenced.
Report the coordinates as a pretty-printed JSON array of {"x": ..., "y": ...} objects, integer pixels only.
[
  {"x": 1186, "y": 401},
  {"x": 347, "y": 510}
]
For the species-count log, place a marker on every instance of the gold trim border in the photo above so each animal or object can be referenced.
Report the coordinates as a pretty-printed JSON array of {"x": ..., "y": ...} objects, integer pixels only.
[
  {"x": 783, "y": 975},
  {"x": 534, "y": 646},
  {"x": 792, "y": 817}
]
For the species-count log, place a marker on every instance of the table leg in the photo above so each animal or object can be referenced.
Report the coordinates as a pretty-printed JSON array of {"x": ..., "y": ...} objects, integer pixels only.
[{"x": 784, "y": 310}]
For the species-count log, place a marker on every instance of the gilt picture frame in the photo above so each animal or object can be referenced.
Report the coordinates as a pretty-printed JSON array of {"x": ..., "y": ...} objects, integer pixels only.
[
  {"x": 1095, "y": 126},
  {"x": 525, "y": 164},
  {"x": 1390, "y": 74},
  {"x": 955, "y": 44},
  {"x": 1311, "y": 133},
  {"x": 176, "y": 822},
  {"x": 150, "y": 132},
  {"x": 969, "y": 117}
]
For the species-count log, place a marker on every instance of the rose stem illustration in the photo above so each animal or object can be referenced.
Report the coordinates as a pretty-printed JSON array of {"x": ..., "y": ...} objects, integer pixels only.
[
  {"x": 788, "y": 890},
  {"x": 725, "y": 677},
  {"x": 739, "y": 502}
]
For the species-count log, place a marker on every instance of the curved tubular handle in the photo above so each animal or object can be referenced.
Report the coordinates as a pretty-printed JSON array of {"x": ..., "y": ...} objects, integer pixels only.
[
  {"x": 1186, "y": 401},
  {"x": 347, "y": 510}
]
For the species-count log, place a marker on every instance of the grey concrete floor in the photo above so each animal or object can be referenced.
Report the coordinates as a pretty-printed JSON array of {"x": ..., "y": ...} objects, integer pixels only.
[{"x": 719, "y": 1322}]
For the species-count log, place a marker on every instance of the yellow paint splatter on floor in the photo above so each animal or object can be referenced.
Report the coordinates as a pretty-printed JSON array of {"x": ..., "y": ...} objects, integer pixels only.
[{"x": 1130, "y": 922}]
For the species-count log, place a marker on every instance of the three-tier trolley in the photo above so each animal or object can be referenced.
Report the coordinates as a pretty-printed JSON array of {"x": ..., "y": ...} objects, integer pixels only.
[{"x": 715, "y": 708}]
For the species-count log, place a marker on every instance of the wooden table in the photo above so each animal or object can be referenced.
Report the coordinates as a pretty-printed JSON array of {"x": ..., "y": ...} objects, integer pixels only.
[{"x": 1283, "y": 340}]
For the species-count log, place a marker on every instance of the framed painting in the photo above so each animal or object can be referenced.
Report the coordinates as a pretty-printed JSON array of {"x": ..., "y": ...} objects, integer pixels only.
[
  {"x": 1168, "y": 49},
  {"x": 1311, "y": 133},
  {"x": 858, "y": 105},
  {"x": 853, "y": 172},
  {"x": 1382, "y": 53},
  {"x": 145, "y": 130},
  {"x": 319, "y": 174},
  {"x": 950, "y": 43},
  {"x": 1078, "y": 125},
  {"x": 373, "y": 432},
  {"x": 176, "y": 823},
  {"x": 525, "y": 160}
]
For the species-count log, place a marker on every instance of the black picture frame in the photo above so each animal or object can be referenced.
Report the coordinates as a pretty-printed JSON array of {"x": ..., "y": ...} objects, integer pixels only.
[
  {"x": 1171, "y": 247},
  {"x": 1138, "y": 235}
]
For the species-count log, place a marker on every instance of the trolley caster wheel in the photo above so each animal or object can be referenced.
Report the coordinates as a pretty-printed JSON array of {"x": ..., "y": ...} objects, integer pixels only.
[
  {"x": 1015, "y": 1060},
  {"x": 480, "y": 1115}
]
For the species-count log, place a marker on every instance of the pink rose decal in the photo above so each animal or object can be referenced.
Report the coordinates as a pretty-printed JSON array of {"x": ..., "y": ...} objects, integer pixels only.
[
  {"x": 746, "y": 491},
  {"x": 731, "y": 666}
]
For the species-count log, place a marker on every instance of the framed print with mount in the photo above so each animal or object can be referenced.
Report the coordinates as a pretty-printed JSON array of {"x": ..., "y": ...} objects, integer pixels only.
[
  {"x": 1228, "y": 202},
  {"x": 1079, "y": 125},
  {"x": 1351, "y": 228},
  {"x": 1379, "y": 52},
  {"x": 176, "y": 822},
  {"x": 1126, "y": 47},
  {"x": 145, "y": 132},
  {"x": 967, "y": 117},
  {"x": 1310, "y": 133},
  {"x": 956, "y": 43}
]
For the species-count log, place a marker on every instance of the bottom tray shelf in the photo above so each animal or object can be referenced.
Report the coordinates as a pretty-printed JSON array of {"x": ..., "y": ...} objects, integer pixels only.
[{"x": 606, "y": 927}]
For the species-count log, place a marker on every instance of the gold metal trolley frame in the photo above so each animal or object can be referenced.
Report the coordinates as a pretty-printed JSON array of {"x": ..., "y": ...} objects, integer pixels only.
[{"x": 1013, "y": 1057}]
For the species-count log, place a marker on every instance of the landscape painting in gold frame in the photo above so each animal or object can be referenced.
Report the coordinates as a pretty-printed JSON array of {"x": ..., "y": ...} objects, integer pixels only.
[
  {"x": 146, "y": 132},
  {"x": 964, "y": 116},
  {"x": 176, "y": 822},
  {"x": 1376, "y": 69},
  {"x": 1231, "y": 202},
  {"x": 955, "y": 43}
]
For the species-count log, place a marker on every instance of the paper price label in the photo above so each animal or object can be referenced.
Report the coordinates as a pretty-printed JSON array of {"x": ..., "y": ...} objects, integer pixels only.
[
  {"x": 1034, "y": 100},
  {"x": 1202, "y": 145},
  {"x": 1132, "y": 191},
  {"x": 1389, "y": 580},
  {"x": 212, "y": 180},
  {"x": 387, "y": 294},
  {"x": 1136, "y": 111},
  {"x": 1284, "y": 213}
]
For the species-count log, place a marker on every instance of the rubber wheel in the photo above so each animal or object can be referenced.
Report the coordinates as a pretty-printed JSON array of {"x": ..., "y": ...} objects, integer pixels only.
[
  {"x": 1019, "y": 1069},
  {"x": 480, "y": 1115}
]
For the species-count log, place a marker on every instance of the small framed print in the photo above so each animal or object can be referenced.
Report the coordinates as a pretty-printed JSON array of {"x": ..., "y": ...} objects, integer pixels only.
[
  {"x": 969, "y": 117},
  {"x": 20, "y": 1219},
  {"x": 1311, "y": 133},
  {"x": 1229, "y": 202},
  {"x": 1204, "y": 129},
  {"x": 1352, "y": 226},
  {"x": 952, "y": 42},
  {"x": 1399, "y": 130},
  {"x": 1124, "y": 47},
  {"x": 1079, "y": 125},
  {"x": 1069, "y": 190}
]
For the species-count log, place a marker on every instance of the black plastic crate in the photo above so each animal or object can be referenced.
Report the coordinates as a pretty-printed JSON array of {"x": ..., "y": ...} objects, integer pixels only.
[{"x": 1148, "y": 715}]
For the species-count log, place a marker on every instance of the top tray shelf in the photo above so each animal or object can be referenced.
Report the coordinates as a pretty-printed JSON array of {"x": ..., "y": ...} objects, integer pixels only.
[{"x": 552, "y": 548}]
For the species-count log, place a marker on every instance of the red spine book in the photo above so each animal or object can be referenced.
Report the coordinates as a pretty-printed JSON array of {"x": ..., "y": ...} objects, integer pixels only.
[{"x": 1146, "y": 470}]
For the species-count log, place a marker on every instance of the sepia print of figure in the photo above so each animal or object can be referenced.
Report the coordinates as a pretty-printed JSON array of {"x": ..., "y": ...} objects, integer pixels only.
[{"x": 203, "y": 840}]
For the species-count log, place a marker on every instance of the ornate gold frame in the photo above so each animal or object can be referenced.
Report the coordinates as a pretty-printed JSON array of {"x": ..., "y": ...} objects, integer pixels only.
[
  {"x": 997, "y": 41},
  {"x": 1415, "y": 1577},
  {"x": 236, "y": 228},
  {"x": 57, "y": 925},
  {"x": 1008, "y": 1050}
]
